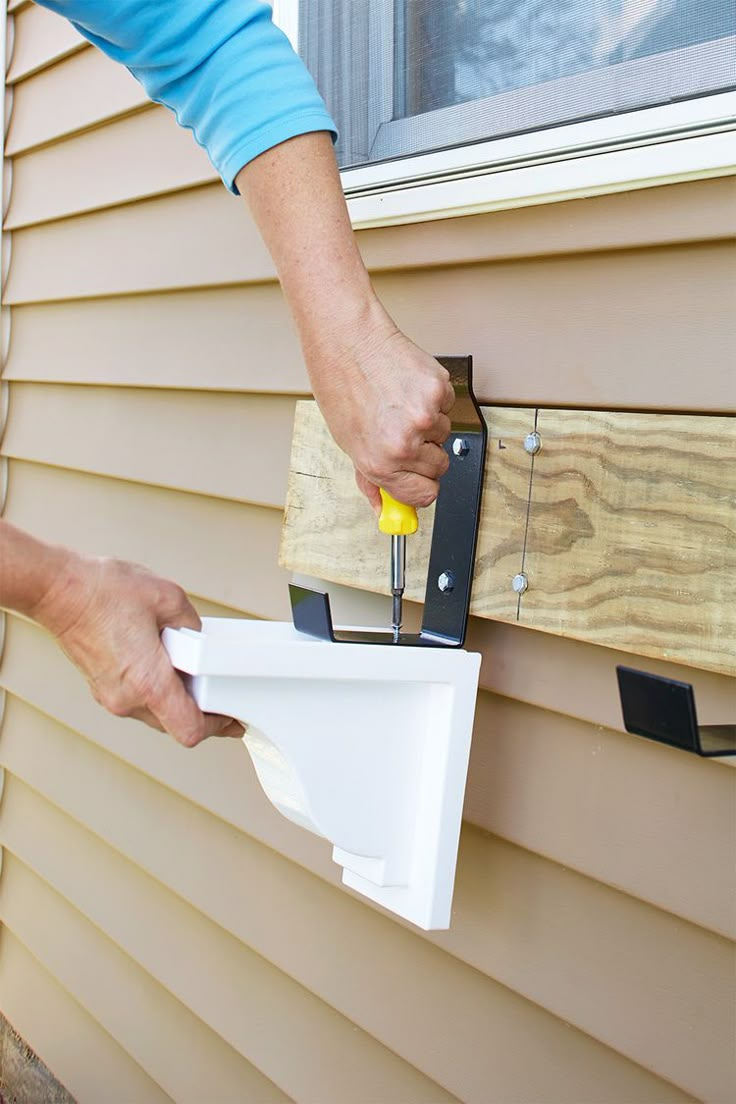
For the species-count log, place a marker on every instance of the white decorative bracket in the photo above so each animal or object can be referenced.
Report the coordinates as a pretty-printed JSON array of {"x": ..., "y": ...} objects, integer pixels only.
[{"x": 365, "y": 745}]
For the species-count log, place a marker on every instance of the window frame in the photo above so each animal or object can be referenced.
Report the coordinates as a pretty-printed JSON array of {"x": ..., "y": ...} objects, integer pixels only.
[{"x": 691, "y": 139}]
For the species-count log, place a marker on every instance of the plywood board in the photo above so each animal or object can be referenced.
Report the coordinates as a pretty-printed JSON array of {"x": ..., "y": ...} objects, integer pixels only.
[
  {"x": 624, "y": 524},
  {"x": 632, "y": 534}
]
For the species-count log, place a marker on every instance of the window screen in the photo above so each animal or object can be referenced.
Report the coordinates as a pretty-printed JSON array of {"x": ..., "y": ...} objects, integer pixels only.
[{"x": 409, "y": 76}]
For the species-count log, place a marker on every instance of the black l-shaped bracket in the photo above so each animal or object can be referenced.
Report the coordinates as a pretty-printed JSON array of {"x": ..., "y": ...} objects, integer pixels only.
[
  {"x": 454, "y": 537},
  {"x": 663, "y": 709}
]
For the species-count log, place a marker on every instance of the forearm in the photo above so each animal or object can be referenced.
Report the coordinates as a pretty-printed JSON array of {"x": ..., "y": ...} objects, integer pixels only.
[
  {"x": 30, "y": 570},
  {"x": 295, "y": 196},
  {"x": 384, "y": 399}
]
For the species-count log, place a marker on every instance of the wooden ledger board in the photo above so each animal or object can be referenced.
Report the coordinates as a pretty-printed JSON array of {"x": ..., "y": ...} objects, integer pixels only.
[{"x": 624, "y": 524}]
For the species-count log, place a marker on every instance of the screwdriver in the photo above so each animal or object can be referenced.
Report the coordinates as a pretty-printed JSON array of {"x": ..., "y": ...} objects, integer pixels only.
[{"x": 398, "y": 521}]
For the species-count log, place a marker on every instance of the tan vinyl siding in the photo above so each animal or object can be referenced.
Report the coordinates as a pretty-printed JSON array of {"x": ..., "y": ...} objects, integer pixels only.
[
  {"x": 221, "y": 326},
  {"x": 208, "y": 443},
  {"x": 56, "y": 101},
  {"x": 39, "y": 38},
  {"x": 151, "y": 900},
  {"x": 68, "y": 1034},
  {"x": 98, "y": 156}
]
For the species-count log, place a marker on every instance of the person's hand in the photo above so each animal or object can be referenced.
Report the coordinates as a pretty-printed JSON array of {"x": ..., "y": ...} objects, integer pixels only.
[
  {"x": 108, "y": 616},
  {"x": 386, "y": 403}
]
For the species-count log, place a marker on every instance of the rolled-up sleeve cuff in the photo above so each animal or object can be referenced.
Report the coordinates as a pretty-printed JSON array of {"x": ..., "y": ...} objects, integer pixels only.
[{"x": 272, "y": 135}]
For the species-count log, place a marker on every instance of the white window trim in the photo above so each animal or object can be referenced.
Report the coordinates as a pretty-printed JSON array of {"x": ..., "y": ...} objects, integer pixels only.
[
  {"x": 690, "y": 140},
  {"x": 286, "y": 16}
]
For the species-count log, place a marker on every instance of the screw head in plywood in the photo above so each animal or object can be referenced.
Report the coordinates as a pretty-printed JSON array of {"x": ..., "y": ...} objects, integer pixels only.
[
  {"x": 519, "y": 583},
  {"x": 532, "y": 443}
]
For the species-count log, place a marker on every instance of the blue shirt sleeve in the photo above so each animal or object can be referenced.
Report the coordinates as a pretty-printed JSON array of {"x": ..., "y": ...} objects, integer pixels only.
[{"x": 221, "y": 66}]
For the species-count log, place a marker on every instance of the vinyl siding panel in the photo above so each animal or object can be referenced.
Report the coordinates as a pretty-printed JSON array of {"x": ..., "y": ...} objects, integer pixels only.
[
  {"x": 151, "y": 900},
  {"x": 39, "y": 38},
  {"x": 122, "y": 433},
  {"x": 158, "y": 1032},
  {"x": 108, "y": 168},
  {"x": 56, "y": 101},
  {"x": 240, "y": 997},
  {"x": 57, "y": 1026},
  {"x": 234, "y": 341}
]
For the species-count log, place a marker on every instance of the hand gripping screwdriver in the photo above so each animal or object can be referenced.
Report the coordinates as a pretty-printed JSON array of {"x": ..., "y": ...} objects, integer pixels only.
[{"x": 398, "y": 521}]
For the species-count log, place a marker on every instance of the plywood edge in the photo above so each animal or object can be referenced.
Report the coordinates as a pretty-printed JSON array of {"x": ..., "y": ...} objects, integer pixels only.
[{"x": 624, "y": 525}]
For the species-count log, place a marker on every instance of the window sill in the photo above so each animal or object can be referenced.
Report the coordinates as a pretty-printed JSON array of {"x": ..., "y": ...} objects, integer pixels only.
[{"x": 667, "y": 145}]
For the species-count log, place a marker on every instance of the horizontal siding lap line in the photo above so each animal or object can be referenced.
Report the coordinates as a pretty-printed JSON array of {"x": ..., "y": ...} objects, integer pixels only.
[
  {"x": 185, "y": 389},
  {"x": 15, "y": 80},
  {"x": 135, "y": 293},
  {"x": 404, "y": 1057},
  {"x": 209, "y": 494},
  {"x": 115, "y": 385},
  {"x": 13, "y": 150},
  {"x": 113, "y": 204},
  {"x": 44, "y": 62}
]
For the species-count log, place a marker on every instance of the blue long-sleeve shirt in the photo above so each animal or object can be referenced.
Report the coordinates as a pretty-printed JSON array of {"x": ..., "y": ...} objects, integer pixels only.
[{"x": 223, "y": 68}]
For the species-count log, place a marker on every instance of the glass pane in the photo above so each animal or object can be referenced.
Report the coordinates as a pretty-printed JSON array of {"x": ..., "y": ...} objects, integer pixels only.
[{"x": 456, "y": 51}]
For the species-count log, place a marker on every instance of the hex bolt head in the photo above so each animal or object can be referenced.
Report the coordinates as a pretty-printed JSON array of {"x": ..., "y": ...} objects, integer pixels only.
[
  {"x": 519, "y": 583},
  {"x": 460, "y": 447},
  {"x": 532, "y": 443},
  {"x": 446, "y": 582}
]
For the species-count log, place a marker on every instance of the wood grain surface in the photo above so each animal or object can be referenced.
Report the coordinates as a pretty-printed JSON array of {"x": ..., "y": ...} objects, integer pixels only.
[{"x": 623, "y": 523}]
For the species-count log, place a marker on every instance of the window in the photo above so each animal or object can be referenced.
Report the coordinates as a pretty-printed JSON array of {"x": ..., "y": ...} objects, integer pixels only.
[{"x": 503, "y": 80}]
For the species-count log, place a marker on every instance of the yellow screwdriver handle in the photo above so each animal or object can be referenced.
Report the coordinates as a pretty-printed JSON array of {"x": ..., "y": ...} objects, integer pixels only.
[{"x": 397, "y": 519}]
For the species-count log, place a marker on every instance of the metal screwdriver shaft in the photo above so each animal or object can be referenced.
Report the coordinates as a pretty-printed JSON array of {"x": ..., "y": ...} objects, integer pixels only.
[
  {"x": 398, "y": 581},
  {"x": 397, "y": 520}
]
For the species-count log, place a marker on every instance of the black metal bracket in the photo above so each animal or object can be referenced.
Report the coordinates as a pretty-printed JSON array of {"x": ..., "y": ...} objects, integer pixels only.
[
  {"x": 663, "y": 709},
  {"x": 454, "y": 537}
]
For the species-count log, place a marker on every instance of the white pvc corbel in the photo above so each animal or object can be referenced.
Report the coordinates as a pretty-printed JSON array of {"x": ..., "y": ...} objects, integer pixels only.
[{"x": 365, "y": 745}]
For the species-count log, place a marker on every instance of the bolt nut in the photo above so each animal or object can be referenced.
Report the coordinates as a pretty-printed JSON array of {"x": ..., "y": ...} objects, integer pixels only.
[
  {"x": 532, "y": 443},
  {"x": 519, "y": 583},
  {"x": 460, "y": 447},
  {"x": 446, "y": 582}
]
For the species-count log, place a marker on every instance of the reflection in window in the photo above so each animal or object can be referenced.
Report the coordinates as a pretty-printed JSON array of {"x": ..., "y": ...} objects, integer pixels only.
[{"x": 456, "y": 51}]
